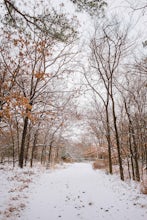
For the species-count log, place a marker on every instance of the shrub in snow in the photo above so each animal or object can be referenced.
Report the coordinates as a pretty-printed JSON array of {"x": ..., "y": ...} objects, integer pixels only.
[
  {"x": 99, "y": 164},
  {"x": 67, "y": 158}
]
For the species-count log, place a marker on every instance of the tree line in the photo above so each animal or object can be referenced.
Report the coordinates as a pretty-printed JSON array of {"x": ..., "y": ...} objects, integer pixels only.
[
  {"x": 37, "y": 54},
  {"x": 118, "y": 83}
]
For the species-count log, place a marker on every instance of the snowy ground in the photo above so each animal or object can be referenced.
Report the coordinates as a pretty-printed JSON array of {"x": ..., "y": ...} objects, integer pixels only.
[
  {"x": 75, "y": 192},
  {"x": 15, "y": 188}
]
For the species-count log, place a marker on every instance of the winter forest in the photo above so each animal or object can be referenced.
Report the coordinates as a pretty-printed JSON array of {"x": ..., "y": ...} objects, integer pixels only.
[{"x": 73, "y": 92}]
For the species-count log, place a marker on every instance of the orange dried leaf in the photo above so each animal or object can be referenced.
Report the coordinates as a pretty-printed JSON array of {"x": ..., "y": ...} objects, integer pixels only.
[
  {"x": 15, "y": 42},
  {"x": 39, "y": 75},
  {"x": 20, "y": 54}
]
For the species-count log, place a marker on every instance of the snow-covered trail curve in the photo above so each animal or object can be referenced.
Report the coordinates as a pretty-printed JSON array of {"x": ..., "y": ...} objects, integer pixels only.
[{"x": 78, "y": 192}]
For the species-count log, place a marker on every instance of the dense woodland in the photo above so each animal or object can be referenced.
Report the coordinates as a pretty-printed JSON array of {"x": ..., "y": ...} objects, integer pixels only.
[{"x": 46, "y": 70}]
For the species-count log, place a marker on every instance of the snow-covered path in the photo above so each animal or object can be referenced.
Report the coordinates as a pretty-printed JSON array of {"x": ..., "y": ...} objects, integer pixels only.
[{"x": 78, "y": 192}]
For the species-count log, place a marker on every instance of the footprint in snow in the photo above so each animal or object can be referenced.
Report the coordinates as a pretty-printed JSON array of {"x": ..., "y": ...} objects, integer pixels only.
[{"x": 67, "y": 198}]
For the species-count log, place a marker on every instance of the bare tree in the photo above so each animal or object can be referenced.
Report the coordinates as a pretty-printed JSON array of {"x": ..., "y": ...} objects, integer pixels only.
[{"x": 108, "y": 47}]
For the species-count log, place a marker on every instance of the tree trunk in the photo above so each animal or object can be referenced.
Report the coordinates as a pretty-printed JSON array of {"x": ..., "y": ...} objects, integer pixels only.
[
  {"x": 135, "y": 151},
  {"x": 42, "y": 154},
  {"x": 131, "y": 152},
  {"x": 49, "y": 156},
  {"x": 146, "y": 155},
  {"x": 137, "y": 173},
  {"x": 33, "y": 148},
  {"x": 13, "y": 145},
  {"x": 27, "y": 148},
  {"x": 117, "y": 140},
  {"x": 108, "y": 140},
  {"x": 128, "y": 168},
  {"x": 18, "y": 144},
  {"x": 22, "y": 147}
]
